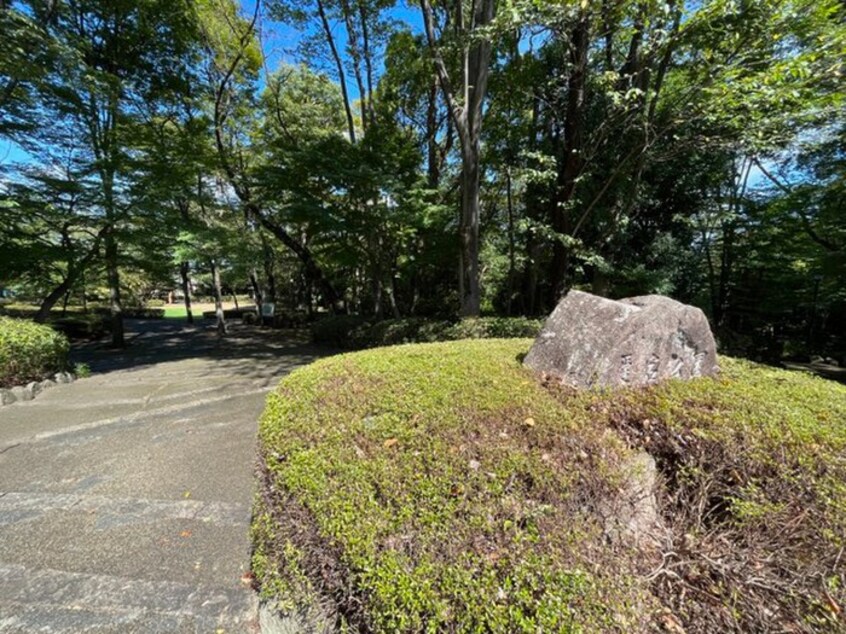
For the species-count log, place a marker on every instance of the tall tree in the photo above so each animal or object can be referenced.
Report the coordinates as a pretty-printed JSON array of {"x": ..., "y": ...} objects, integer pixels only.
[
  {"x": 346, "y": 38},
  {"x": 233, "y": 59},
  {"x": 111, "y": 57},
  {"x": 465, "y": 99},
  {"x": 48, "y": 238}
]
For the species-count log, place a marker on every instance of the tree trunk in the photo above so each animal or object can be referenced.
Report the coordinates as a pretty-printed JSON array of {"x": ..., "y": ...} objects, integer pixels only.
[
  {"x": 270, "y": 296},
  {"x": 415, "y": 278},
  {"x": 352, "y": 45},
  {"x": 373, "y": 253},
  {"x": 184, "y": 269},
  {"x": 376, "y": 286},
  {"x": 82, "y": 293},
  {"x": 571, "y": 157},
  {"x": 241, "y": 188},
  {"x": 368, "y": 62},
  {"x": 312, "y": 270},
  {"x": 354, "y": 283},
  {"x": 533, "y": 250},
  {"x": 391, "y": 291},
  {"x": 532, "y": 204},
  {"x": 113, "y": 277},
  {"x": 726, "y": 263},
  {"x": 471, "y": 296},
  {"x": 218, "y": 302},
  {"x": 51, "y": 299},
  {"x": 466, "y": 113},
  {"x": 712, "y": 277},
  {"x": 309, "y": 296},
  {"x": 256, "y": 290},
  {"x": 327, "y": 31},
  {"x": 512, "y": 260},
  {"x": 75, "y": 269},
  {"x": 433, "y": 167},
  {"x": 303, "y": 253}
]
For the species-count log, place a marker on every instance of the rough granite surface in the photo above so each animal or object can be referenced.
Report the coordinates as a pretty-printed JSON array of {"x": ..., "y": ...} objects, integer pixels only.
[{"x": 593, "y": 341}]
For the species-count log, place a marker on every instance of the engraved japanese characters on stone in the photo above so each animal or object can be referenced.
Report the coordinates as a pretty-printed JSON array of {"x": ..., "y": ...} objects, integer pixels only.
[{"x": 590, "y": 340}]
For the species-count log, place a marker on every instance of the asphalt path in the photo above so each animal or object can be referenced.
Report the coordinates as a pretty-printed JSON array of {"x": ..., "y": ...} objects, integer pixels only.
[{"x": 125, "y": 496}]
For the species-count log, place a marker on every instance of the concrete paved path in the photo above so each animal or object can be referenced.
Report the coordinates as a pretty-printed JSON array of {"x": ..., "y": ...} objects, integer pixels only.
[{"x": 125, "y": 497}]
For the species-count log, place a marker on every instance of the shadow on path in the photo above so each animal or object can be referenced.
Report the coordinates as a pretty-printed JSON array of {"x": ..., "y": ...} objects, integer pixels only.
[
  {"x": 247, "y": 351},
  {"x": 125, "y": 498}
]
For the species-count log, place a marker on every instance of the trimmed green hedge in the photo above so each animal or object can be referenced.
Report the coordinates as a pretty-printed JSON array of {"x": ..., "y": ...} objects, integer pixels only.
[
  {"x": 82, "y": 325},
  {"x": 29, "y": 351},
  {"x": 335, "y": 330},
  {"x": 444, "y": 488},
  {"x": 494, "y": 328},
  {"x": 230, "y": 313},
  {"x": 354, "y": 332},
  {"x": 74, "y": 323},
  {"x": 144, "y": 313}
]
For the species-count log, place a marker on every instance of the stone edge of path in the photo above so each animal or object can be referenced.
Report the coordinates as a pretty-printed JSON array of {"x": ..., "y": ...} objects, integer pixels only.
[{"x": 21, "y": 393}]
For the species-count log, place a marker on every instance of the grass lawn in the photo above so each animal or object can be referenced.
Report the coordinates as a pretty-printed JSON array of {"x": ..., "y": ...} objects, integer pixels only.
[
  {"x": 28, "y": 309},
  {"x": 171, "y": 311},
  {"x": 176, "y": 311},
  {"x": 443, "y": 487}
]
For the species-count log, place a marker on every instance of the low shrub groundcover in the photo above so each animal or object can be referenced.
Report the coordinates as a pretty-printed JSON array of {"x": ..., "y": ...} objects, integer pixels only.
[
  {"x": 29, "y": 351},
  {"x": 355, "y": 332},
  {"x": 82, "y": 325},
  {"x": 442, "y": 487},
  {"x": 144, "y": 313},
  {"x": 231, "y": 313},
  {"x": 74, "y": 324}
]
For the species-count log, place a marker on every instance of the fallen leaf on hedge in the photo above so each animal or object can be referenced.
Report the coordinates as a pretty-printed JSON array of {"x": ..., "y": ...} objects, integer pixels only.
[
  {"x": 832, "y": 604},
  {"x": 185, "y": 534},
  {"x": 671, "y": 624},
  {"x": 529, "y": 422},
  {"x": 390, "y": 442}
]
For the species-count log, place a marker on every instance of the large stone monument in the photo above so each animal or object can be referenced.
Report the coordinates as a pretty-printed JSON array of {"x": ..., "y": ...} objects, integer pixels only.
[{"x": 593, "y": 341}]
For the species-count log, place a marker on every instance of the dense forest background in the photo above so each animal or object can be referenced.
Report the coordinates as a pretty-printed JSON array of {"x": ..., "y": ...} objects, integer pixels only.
[{"x": 447, "y": 158}]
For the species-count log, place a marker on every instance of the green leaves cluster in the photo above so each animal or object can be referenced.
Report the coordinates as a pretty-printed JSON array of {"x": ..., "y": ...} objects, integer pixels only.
[{"x": 29, "y": 351}]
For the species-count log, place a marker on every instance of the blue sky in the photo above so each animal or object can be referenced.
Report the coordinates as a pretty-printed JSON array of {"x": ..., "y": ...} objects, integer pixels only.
[
  {"x": 279, "y": 42},
  {"x": 9, "y": 152}
]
